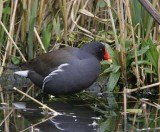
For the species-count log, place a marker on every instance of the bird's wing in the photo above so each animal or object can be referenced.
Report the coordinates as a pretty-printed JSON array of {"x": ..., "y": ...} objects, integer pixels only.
[{"x": 50, "y": 61}]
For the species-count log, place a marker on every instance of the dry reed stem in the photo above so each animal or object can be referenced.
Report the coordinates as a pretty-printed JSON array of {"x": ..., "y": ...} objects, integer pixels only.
[
  {"x": 113, "y": 25},
  {"x": 133, "y": 40},
  {"x": 156, "y": 117},
  {"x": 81, "y": 28},
  {"x": 27, "y": 92},
  {"x": 85, "y": 30},
  {"x": 63, "y": 7},
  {"x": 125, "y": 110},
  {"x": 87, "y": 13},
  {"x": 136, "y": 89},
  {"x": 4, "y": 58},
  {"x": 133, "y": 123},
  {"x": 40, "y": 14},
  {"x": 17, "y": 36},
  {"x": 65, "y": 20},
  {"x": 77, "y": 19},
  {"x": 144, "y": 107},
  {"x": 6, "y": 117},
  {"x": 11, "y": 29},
  {"x": 151, "y": 10},
  {"x": 151, "y": 104},
  {"x": 39, "y": 39},
  {"x": 142, "y": 88},
  {"x": 120, "y": 15},
  {"x": 4, "y": 111},
  {"x": 43, "y": 105},
  {"x": 9, "y": 41},
  {"x": 143, "y": 101}
]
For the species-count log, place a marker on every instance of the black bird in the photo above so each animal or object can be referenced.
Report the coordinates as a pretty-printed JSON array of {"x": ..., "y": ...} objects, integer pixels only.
[{"x": 67, "y": 70}]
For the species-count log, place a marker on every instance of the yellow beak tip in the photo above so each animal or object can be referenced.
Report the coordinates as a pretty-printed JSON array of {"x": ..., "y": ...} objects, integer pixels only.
[{"x": 110, "y": 60}]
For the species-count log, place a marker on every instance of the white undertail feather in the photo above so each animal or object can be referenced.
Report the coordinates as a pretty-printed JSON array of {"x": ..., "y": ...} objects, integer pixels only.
[{"x": 22, "y": 73}]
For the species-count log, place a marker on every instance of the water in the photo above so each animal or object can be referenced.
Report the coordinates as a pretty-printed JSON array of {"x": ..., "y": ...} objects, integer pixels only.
[
  {"x": 82, "y": 112},
  {"x": 75, "y": 117}
]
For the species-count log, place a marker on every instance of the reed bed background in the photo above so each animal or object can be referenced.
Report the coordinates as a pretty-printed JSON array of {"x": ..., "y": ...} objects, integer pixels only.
[{"x": 31, "y": 28}]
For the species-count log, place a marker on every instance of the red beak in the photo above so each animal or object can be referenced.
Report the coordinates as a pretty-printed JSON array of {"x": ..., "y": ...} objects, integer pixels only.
[{"x": 107, "y": 57}]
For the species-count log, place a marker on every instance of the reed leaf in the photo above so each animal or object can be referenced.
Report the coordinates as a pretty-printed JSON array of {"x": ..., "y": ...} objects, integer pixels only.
[
  {"x": 113, "y": 79},
  {"x": 1, "y": 8},
  {"x": 46, "y": 35},
  {"x": 141, "y": 16},
  {"x": 56, "y": 28},
  {"x": 5, "y": 19},
  {"x": 31, "y": 29},
  {"x": 152, "y": 53}
]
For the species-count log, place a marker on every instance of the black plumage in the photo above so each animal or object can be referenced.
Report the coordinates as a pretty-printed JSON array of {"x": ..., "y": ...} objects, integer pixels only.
[{"x": 67, "y": 70}]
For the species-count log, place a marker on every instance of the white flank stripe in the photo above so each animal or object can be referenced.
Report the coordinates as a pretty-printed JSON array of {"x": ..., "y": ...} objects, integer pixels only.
[
  {"x": 55, "y": 72},
  {"x": 63, "y": 65},
  {"x": 22, "y": 73}
]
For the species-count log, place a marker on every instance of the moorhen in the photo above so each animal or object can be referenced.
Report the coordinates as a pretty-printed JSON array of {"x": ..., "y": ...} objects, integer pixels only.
[{"x": 67, "y": 70}]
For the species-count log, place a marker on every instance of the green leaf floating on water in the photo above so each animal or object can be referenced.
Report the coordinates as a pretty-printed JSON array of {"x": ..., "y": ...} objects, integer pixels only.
[{"x": 135, "y": 111}]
